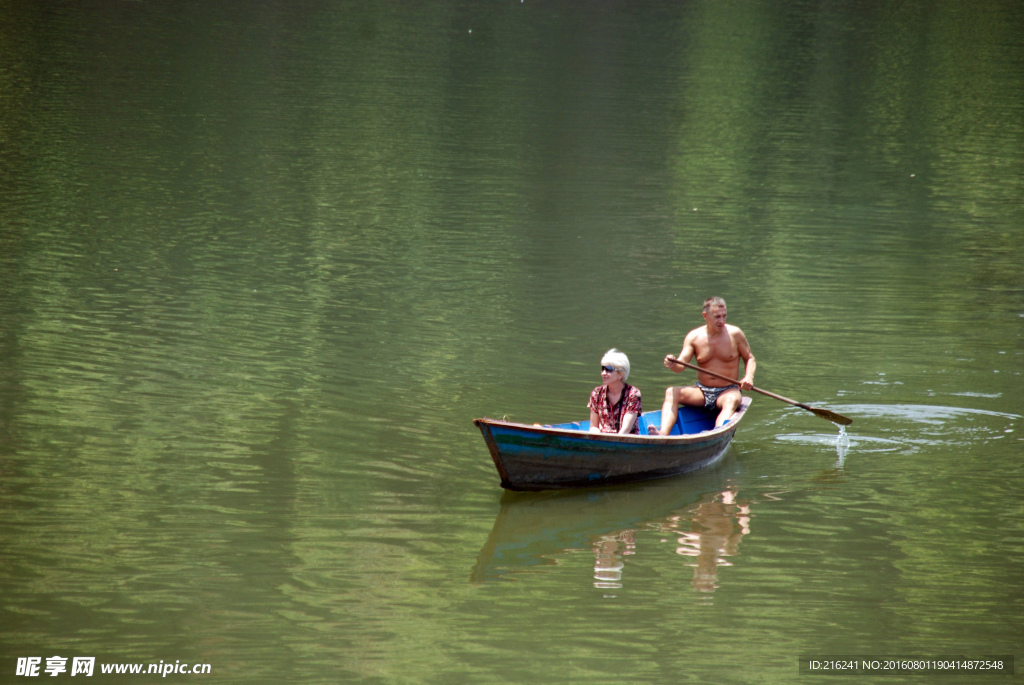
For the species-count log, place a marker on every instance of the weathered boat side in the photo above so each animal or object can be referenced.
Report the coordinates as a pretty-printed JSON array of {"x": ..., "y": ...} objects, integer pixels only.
[{"x": 531, "y": 457}]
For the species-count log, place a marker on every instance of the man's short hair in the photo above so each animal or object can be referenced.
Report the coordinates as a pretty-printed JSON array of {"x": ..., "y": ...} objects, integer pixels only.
[{"x": 712, "y": 302}]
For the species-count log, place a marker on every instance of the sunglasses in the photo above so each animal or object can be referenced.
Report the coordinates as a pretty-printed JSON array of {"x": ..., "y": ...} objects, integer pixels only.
[{"x": 609, "y": 369}]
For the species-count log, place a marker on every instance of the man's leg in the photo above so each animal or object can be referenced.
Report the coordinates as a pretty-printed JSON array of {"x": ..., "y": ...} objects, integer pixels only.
[
  {"x": 674, "y": 396},
  {"x": 728, "y": 403}
]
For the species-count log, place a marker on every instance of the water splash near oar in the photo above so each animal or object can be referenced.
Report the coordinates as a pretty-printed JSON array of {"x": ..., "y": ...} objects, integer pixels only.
[
  {"x": 842, "y": 441},
  {"x": 842, "y": 445}
]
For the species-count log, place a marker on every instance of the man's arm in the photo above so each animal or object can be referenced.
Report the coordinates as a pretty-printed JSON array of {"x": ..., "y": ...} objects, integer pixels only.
[
  {"x": 749, "y": 363},
  {"x": 686, "y": 354}
]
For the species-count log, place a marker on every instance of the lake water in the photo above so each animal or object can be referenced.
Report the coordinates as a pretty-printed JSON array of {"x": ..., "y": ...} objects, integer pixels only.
[{"x": 261, "y": 266}]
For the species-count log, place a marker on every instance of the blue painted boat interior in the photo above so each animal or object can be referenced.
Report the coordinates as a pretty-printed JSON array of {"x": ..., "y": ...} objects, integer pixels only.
[{"x": 690, "y": 420}]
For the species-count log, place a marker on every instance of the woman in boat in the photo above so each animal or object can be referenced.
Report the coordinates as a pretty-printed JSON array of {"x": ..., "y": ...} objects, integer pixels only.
[{"x": 614, "y": 405}]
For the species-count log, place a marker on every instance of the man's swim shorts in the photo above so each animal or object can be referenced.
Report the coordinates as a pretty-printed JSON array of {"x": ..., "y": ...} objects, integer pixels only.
[{"x": 711, "y": 394}]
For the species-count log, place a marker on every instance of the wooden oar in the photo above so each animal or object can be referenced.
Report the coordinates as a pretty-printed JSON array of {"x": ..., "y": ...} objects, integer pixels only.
[{"x": 823, "y": 413}]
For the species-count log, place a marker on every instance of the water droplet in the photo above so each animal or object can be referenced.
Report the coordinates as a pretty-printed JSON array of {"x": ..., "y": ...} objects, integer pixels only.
[{"x": 842, "y": 444}]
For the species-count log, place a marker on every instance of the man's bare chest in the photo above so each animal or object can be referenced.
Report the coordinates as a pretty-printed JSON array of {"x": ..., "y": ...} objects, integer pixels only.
[{"x": 720, "y": 348}]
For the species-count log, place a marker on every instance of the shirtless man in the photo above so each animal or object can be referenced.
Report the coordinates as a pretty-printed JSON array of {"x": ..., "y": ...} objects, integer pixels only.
[{"x": 719, "y": 348}]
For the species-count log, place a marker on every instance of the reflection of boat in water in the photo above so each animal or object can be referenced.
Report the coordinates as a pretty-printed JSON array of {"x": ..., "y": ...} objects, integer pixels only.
[
  {"x": 567, "y": 455},
  {"x": 701, "y": 518}
]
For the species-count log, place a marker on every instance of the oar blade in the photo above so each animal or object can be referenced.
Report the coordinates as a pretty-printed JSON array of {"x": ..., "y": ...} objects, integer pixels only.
[{"x": 830, "y": 415}]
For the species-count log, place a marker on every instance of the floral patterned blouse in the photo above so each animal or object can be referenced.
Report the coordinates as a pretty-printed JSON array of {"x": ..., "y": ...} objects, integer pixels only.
[{"x": 609, "y": 419}]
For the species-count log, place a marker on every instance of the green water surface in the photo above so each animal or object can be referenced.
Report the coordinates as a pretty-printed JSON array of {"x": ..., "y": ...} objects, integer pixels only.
[{"x": 261, "y": 265}]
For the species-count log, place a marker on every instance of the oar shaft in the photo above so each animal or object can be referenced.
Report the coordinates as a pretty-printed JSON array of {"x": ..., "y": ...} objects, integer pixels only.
[
  {"x": 823, "y": 413},
  {"x": 733, "y": 380}
]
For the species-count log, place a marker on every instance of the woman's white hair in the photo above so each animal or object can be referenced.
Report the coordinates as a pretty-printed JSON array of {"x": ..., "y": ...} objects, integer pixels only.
[{"x": 618, "y": 360}]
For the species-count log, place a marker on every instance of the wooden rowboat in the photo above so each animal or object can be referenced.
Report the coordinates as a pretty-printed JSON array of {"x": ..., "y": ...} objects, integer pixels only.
[{"x": 567, "y": 455}]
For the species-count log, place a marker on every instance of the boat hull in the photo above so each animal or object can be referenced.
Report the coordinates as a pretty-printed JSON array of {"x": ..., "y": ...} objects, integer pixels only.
[{"x": 531, "y": 457}]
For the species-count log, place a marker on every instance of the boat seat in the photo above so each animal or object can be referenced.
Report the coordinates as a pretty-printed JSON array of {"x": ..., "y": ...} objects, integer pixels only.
[{"x": 690, "y": 420}]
